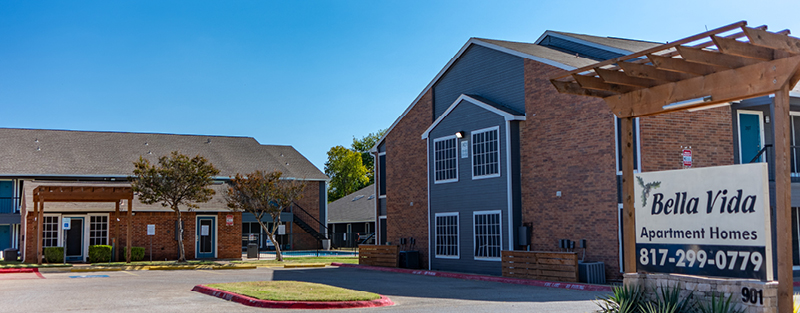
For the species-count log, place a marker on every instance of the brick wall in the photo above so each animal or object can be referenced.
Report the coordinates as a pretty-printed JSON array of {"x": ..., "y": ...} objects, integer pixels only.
[
  {"x": 567, "y": 145},
  {"x": 163, "y": 243},
  {"x": 708, "y": 132},
  {"x": 406, "y": 181},
  {"x": 310, "y": 202}
]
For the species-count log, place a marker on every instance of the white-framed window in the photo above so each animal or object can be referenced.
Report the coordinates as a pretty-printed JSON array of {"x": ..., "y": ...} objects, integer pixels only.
[
  {"x": 445, "y": 159},
  {"x": 486, "y": 153},
  {"x": 50, "y": 230},
  {"x": 98, "y": 230},
  {"x": 488, "y": 235},
  {"x": 446, "y": 234}
]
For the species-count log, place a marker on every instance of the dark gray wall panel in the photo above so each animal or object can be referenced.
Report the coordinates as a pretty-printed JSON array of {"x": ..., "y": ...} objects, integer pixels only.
[
  {"x": 484, "y": 72},
  {"x": 467, "y": 195}
]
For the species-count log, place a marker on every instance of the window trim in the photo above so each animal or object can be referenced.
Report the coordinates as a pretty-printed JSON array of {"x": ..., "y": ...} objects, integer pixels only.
[
  {"x": 637, "y": 168},
  {"x": 472, "y": 153},
  {"x": 89, "y": 228},
  {"x": 444, "y": 181},
  {"x": 59, "y": 230},
  {"x": 458, "y": 236},
  {"x": 474, "y": 235}
]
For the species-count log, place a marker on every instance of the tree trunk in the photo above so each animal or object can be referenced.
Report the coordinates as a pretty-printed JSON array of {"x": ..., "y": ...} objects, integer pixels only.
[
  {"x": 271, "y": 235},
  {"x": 181, "y": 250}
]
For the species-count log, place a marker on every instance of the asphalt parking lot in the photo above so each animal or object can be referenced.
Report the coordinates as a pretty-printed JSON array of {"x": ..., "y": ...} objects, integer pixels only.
[{"x": 170, "y": 291}]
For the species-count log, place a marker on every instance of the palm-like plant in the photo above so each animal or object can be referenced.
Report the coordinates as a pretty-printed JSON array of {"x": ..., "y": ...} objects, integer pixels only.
[
  {"x": 718, "y": 304},
  {"x": 624, "y": 299}
]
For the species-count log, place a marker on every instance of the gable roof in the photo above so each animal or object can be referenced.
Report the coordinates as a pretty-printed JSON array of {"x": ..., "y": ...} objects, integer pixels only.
[
  {"x": 356, "y": 207},
  {"x": 531, "y": 51},
  {"x": 54, "y": 153},
  {"x": 507, "y": 113}
]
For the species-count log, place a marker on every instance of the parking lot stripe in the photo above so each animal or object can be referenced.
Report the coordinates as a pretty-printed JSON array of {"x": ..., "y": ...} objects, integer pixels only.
[
  {"x": 129, "y": 273},
  {"x": 212, "y": 272}
]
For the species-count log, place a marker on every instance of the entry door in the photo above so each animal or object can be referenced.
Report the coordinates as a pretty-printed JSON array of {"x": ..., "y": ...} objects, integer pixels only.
[
  {"x": 206, "y": 236},
  {"x": 750, "y": 136},
  {"x": 75, "y": 240}
]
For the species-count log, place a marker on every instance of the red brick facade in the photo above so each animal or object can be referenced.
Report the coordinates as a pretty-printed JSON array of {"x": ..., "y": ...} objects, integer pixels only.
[
  {"x": 302, "y": 240},
  {"x": 406, "y": 177}
]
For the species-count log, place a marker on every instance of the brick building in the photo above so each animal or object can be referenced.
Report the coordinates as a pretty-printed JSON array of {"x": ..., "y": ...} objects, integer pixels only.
[
  {"x": 490, "y": 154},
  {"x": 34, "y": 158}
]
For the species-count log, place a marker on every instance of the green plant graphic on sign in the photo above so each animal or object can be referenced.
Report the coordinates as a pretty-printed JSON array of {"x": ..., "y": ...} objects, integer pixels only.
[{"x": 646, "y": 188}]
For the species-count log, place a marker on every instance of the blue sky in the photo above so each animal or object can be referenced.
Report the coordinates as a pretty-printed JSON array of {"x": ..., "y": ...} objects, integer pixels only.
[{"x": 311, "y": 74}]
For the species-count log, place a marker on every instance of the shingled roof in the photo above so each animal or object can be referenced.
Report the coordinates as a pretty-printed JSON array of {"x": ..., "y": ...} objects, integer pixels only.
[
  {"x": 356, "y": 207},
  {"x": 42, "y": 152}
]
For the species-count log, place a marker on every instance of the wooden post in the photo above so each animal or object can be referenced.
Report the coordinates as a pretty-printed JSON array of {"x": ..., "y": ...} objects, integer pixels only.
[
  {"x": 783, "y": 213},
  {"x": 39, "y": 232},
  {"x": 36, "y": 227},
  {"x": 128, "y": 242},
  {"x": 116, "y": 231},
  {"x": 628, "y": 213}
]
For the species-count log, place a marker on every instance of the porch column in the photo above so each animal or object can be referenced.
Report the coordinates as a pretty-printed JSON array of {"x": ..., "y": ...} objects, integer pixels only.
[
  {"x": 116, "y": 231},
  {"x": 783, "y": 200},
  {"x": 130, "y": 225},
  {"x": 628, "y": 213},
  {"x": 36, "y": 228}
]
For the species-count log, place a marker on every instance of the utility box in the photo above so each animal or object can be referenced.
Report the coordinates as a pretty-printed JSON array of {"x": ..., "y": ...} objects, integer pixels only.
[
  {"x": 252, "y": 250},
  {"x": 326, "y": 244},
  {"x": 409, "y": 259},
  {"x": 10, "y": 254},
  {"x": 592, "y": 272}
]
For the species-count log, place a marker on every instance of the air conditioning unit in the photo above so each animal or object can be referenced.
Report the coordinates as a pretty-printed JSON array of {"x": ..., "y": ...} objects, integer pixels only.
[{"x": 592, "y": 272}]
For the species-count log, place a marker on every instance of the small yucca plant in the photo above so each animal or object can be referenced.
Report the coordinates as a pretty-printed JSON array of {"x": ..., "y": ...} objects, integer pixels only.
[
  {"x": 718, "y": 305},
  {"x": 624, "y": 299}
]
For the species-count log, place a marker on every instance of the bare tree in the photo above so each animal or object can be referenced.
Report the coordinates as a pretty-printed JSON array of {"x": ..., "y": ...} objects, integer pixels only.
[
  {"x": 176, "y": 181},
  {"x": 264, "y": 194}
]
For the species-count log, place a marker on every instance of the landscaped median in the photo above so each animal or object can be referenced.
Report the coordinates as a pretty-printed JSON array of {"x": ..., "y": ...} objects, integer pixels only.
[{"x": 293, "y": 295}]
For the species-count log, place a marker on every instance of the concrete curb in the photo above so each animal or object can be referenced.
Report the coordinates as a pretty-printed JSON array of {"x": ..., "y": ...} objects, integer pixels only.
[
  {"x": 505, "y": 280},
  {"x": 304, "y": 265},
  {"x": 22, "y": 270},
  {"x": 235, "y": 297}
]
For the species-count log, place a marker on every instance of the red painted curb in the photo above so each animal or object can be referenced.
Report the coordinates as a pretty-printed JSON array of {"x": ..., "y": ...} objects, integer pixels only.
[
  {"x": 21, "y": 270},
  {"x": 506, "y": 280},
  {"x": 235, "y": 297}
]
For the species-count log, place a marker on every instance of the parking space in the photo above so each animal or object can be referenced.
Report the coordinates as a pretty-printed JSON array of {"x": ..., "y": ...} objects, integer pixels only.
[{"x": 170, "y": 291}]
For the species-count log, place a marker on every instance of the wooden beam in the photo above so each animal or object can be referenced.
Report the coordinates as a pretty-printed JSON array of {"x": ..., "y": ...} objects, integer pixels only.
[
  {"x": 628, "y": 213},
  {"x": 683, "y": 66},
  {"x": 783, "y": 198},
  {"x": 116, "y": 231},
  {"x": 575, "y": 89},
  {"x": 620, "y": 78},
  {"x": 39, "y": 232},
  {"x": 772, "y": 40},
  {"x": 651, "y": 72},
  {"x": 743, "y": 49},
  {"x": 730, "y": 85},
  {"x": 591, "y": 82},
  {"x": 714, "y": 58}
]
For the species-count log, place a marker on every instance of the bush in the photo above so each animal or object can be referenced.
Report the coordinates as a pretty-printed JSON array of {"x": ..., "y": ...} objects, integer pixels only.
[
  {"x": 54, "y": 254},
  {"x": 137, "y": 253},
  {"x": 99, "y": 253}
]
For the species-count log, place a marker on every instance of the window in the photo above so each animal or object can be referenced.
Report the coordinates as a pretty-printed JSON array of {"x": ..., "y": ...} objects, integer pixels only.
[
  {"x": 50, "y": 231},
  {"x": 447, "y": 235},
  {"x": 98, "y": 230},
  {"x": 486, "y": 153},
  {"x": 382, "y": 174},
  {"x": 445, "y": 159},
  {"x": 488, "y": 240}
]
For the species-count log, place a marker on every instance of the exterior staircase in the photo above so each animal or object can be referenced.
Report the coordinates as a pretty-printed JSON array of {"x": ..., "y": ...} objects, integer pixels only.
[{"x": 302, "y": 218}]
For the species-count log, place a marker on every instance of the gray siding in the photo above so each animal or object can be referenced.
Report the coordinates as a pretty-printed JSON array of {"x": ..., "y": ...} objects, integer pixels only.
[
  {"x": 323, "y": 206},
  {"x": 484, "y": 72},
  {"x": 467, "y": 195},
  {"x": 582, "y": 50}
]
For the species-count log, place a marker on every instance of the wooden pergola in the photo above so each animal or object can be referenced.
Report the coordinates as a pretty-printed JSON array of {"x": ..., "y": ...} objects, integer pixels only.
[
  {"x": 706, "y": 69},
  {"x": 44, "y": 194}
]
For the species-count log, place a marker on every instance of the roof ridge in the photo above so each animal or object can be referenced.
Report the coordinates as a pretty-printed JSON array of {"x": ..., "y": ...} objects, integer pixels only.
[{"x": 124, "y": 132}]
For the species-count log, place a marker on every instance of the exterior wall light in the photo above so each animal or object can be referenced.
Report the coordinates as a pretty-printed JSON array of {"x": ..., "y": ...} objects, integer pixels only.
[
  {"x": 685, "y": 103},
  {"x": 460, "y": 134}
]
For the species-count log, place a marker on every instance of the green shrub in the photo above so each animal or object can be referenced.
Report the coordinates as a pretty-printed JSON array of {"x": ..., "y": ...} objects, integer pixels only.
[
  {"x": 625, "y": 299},
  {"x": 718, "y": 304},
  {"x": 54, "y": 254},
  {"x": 137, "y": 253},
  {"x": 99, "y": 253}
]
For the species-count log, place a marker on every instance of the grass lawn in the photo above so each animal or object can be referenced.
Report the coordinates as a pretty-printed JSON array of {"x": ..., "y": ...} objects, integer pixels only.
[
  {"x": 304, "y": 259},
  {"x": 155, "y": 263},
  {"x": 294, "y": 291},
  {"x": 17, "y": 264}
]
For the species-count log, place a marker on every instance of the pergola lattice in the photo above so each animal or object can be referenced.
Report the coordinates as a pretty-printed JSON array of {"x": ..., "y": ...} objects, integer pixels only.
[{"x": 706, "y": 69}]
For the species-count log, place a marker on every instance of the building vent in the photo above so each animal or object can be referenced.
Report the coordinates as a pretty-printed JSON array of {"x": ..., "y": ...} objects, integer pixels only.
[{"x": 592, "y": 272}]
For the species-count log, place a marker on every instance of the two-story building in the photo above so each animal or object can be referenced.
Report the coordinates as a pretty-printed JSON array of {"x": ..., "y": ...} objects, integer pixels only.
[
  {"x": 35, "y": 158},
  {"x": 490, "y": 153}
]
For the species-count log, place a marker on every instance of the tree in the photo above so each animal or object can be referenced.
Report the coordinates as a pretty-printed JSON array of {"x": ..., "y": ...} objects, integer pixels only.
[
  {"x": 347, "y": 172},
  {"x": 362, "y": 146},
  {"x": 264, "y": 194},
  {"x": 176, "y": 181}
]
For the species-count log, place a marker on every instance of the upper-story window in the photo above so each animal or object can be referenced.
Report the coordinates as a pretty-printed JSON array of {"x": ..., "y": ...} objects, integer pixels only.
[
  {"x": 445, "y": 159},
  {"x": 486, "y": 152}
]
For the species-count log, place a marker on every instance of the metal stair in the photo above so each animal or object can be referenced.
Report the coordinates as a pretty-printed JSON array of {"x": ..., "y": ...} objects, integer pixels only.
[{"x": 305, "y": 226}]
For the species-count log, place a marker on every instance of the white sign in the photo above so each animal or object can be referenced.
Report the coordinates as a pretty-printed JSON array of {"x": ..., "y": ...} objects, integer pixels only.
[
  {"x": 204, "y": 230},
  {"x": 151, "y": 229},
  {"x": 281, "y": 229},
  {"x": 710, "y": 221},
  {"x": 67, "y": 223},
  {"x": 464, "y": 149}
]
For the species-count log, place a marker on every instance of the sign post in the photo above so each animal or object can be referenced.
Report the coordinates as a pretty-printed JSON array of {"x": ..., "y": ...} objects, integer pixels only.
[
  {"x": 151, "y": 231},
  {"x": 66, "y": 225}
]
